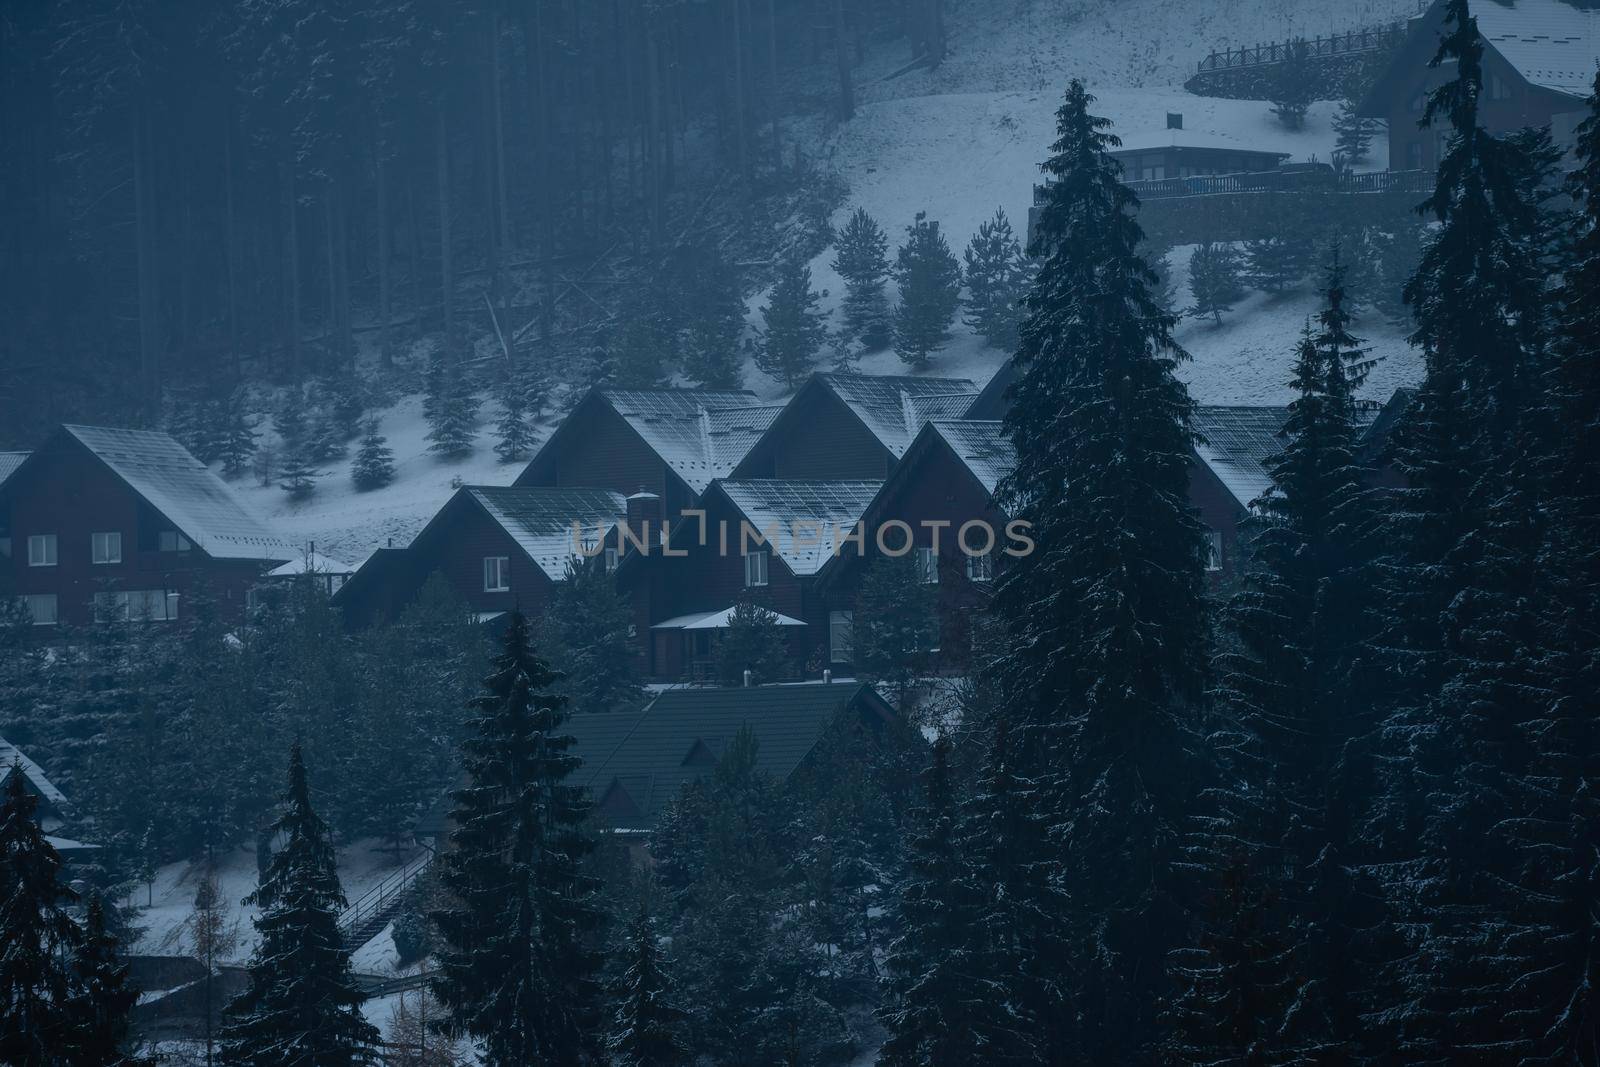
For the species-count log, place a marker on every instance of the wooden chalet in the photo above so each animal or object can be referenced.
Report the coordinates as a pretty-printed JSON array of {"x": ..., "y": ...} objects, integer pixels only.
[
  {"x": 498, "y": 548},
  {"x": 1194, "y": 158},
  {"x": 102, "y": 523},
  {"x": 751, "y": 550},
  {"x": 636, "y": 762},
  {"x": 946, "y": 480},
  {"x": 672, "y": 443},
  {"x": 851, "y": 426},
  {"x": 1538, "y": 63}
]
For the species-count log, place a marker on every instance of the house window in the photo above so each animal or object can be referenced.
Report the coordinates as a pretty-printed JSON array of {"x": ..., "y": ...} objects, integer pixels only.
[
  {"x": 841, "y": 647},
  {"x": 41, "y": 607},
  {"x": 136, "y": 605},
  {"x": 980, "y": 568},
  {"x": 41, "y": 550},
  {"x": 1499, "y": 88},
  {"x": 106, "y": 547},
  {"x": 5, "y": 546},
  {"x": 496, "y": 574},
  {"x": 755, "y": 569},
  {"x": 172, "y": 541},
  {"x": 611, "y": 560},
  {"x": 927, "y": 565},
  {"x": 1213, "y": 550}
]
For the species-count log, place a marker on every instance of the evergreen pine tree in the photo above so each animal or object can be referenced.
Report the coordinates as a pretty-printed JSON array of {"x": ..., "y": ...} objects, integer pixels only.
[
  {"x": 1292, "y": 85},
  {"x": 794, "y": 327},
  {"x": 895, "y": 625},
  {"x": 326, "y": 435},
  {"x": 36, "y": 987},
  {"x": 302, "y": 1007},
  {"x": 862, "y": 260},
  {"x": 714, "y": 313},
  {"x": 103, "y": 996},
  {"x": 641, "y": 350},
  {"x": 754, "y": 642},
  {"x": 374, "y": 466},
  {"x": 1105, "y": 617},
  {"x": 587, "y": 635},
  {"x": 997, "y": 276},
  {"x": 452, "y": 414},
  {"x": 1213, "y": 280},
  {"x": 937, "y": 999},
  {"x": 1274, "y": 264},
  {"x": 517, "y": 972},
  {"x": 930, "y": 291},
  {"x": 646, "y": 1029},
  {"x": 515, "y": 428},
  {"x": 1352, "y": 134},
  {"x": 236, "y": 436}
]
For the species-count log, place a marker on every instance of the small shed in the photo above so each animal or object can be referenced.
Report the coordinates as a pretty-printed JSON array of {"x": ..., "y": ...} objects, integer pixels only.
[{"x": 1194, "y": 158}]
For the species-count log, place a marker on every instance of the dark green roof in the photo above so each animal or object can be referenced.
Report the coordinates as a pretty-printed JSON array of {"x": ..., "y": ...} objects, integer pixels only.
[{"x": 635, "y": 762}]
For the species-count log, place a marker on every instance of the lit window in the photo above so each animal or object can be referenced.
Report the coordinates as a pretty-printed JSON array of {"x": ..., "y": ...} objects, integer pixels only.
[
  {"x": 927, "y": 565},
  {"x": 1213, "y": 550},
  {"x": 106, "y": 547},
  {"x": 172, "y": 541},
  {"x": 611, "y": 560},
  {"x": 496, "y": 574},
  {"x": 42, "y": 550},
  {"x": 755, "y": 569},
  {"x": 841, "y": 627},
  {"x": 980, "y": 568},
  {"x": 41, "y": 607}
]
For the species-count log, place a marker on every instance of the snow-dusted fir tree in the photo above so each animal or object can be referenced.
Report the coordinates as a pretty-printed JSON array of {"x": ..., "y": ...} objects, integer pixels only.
[
  {"x": 896, "y": 625},
  {"x": 861, "y": 257},
  {"x": 103, "y": 996},
  {"x": 754, "y": 642},
  {"x": 713, "y": 315},
  {"x": 298, "y": 475},
  {"x": 235, "y": 434},
  {"x": 514, "y": 430},
  {"x": 646, "y": 1021},
  {"x": 997, "y": 276},
  {"x": 930, "y": 291},
  {"x": 302, "y": 1007},
  {"x": 1273, "y": 264},
  {"x": 1352, "y": 133},
  {"x": 586, "y": 633},
  {"x": 1105, "y": 617},
  {"x": 374, "y": 465},
  {"x": 1214, "y": 282},
  {"x": 1293, "y": 85},
  {"x": 794, "y": 328},
  {"x": 516, "y": 972},
  {"x": 37, "y": 933},
  {"x": 451, "y": 410},
  {"x": 936, "y": 998}
]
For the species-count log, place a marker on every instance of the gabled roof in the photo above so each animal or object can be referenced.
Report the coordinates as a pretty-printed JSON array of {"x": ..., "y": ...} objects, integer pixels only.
[
  {"x": 311, "y": 562},
  {"x": 184, "y": 490},
  {"x": 981, "y": 445},
  {"x": 894, "y": 407},
  {"x": 9, "y": 462},
  {"x": 1553, "y": 44},
  {"x": 635, "y": 762},
  {"x": 734, "y": 431},
  {"x": 10, "y": 756},
  {"x": 540, "y": 519},
  {"x": 991, "y": 402},
  {"x": 1239, "y": 441},
  {"x": 834, "y": 508}
]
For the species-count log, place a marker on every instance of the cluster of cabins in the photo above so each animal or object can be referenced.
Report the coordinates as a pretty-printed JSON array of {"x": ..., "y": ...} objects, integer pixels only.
[{"x": 694, "y": 500}]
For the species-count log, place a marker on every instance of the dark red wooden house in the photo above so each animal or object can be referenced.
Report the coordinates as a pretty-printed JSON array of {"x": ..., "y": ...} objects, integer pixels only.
[
  {"x": 499, "y": 548},
  {"x": 1538, "y": 63},
  {"x": 102, "y": 523}
]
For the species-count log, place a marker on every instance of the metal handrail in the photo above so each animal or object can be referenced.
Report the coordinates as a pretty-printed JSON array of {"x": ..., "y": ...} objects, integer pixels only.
[
  {"x": 384, "y": 892},
  {"x": 1338, "y": 44}
]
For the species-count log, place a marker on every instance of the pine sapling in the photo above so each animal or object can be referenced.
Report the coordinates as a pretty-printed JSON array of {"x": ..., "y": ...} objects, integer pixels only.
[
  {"x": 1214, "y": 280},
  {"x": 862, "y": 260},
  {"x": 930, "y": 290},
  {"x": 794, "y": 328},
  {"x": 997, "y": 276},
  {"x": 374, "y": 466}
]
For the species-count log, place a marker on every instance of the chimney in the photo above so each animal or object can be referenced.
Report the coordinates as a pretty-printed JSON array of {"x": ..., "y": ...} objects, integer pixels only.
[
  {"x": 644, "y": 507},
  {"x": 1174, "y": 120},
  {"x": 747, "y": 679}
]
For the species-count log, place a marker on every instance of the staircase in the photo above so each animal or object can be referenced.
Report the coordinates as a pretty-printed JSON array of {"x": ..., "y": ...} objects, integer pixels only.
[{"x": 366, "y": 917}]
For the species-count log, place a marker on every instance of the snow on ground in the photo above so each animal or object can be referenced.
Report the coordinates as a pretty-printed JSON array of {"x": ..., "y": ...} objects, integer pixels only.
[{"x": 164, "y": 924}]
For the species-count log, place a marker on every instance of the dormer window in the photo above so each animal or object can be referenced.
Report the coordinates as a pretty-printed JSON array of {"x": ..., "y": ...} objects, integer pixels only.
[
  {"x": 172, "y": 541},
  {"x": 755, "y": 568},
  {"x": 496, "y": 574}
]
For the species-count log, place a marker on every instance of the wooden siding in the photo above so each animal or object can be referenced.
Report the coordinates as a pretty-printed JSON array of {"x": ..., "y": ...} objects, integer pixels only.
[
  {"x": 597, "y": 449},
  {"x": 67, "y": 491},
  {"x": 818, "y": 439}
]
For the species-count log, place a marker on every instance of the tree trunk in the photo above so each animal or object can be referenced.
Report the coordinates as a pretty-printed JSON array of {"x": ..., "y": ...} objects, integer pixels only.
[
  {"x": 447, "y": 279},
  {"x": 385, "y": 299},
  {"x": 292, "y": 265},
  {"x": 229, "y": 239},
  {"x": 497, "y": 105},
  {"x": 543, "y": 194},
  {"x": 772, "y": 69},
  {"x": 739, "y": 124},
  {"x": 847, "y": 92},
  {"x": 145, "y": 256},
  {"x": 654, "y": 136},
  {"x": 331, "y": 326}
]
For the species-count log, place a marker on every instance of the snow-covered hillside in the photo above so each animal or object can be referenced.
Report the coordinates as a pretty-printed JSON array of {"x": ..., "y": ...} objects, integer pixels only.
[{"x": 958, "y": 142}]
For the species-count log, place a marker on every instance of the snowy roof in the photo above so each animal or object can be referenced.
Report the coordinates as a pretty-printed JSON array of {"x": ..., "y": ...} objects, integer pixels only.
[
  {"x": 635, "y": 762},
  {"x": 894, "y": 407},
  {"x": 9, "y": 462},
  {"x": 831, "y": 509},
  {"x": 10, "y": 756},
  {"x": 185, "y": 491},
  {"x": 693, "y": 430},
  {"x": 1551, "y": 43},
  {"x": 982, "y": 446},
  {"x": 540, "y": 519},
  {"x": 311, "y": 563},
  {"x": 1239, "y": 441},
  {"x": 1190, "y": 143},
  {"x": 713, "y": 620}
]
